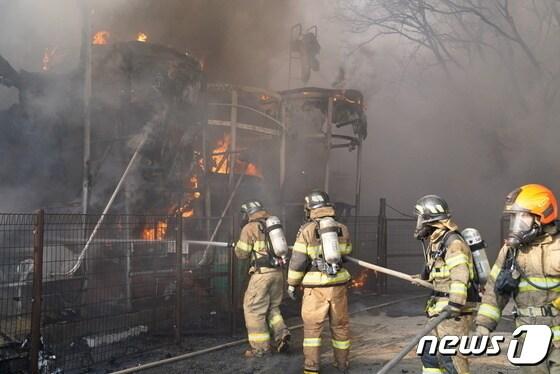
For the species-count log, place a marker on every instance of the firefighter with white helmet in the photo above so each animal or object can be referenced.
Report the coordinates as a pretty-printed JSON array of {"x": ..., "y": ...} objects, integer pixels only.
[
  {"x": 527, "y": 270},
  {"x": 262, "y": 241},
  {"x": 449, "y": 267},
  {"x": 316, "y": 264}
]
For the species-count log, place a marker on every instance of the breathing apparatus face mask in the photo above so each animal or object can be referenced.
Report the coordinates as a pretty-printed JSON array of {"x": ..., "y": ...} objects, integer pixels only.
[
  {"x": 423, "y": 228},
  {"x": 523, "y": 229}
]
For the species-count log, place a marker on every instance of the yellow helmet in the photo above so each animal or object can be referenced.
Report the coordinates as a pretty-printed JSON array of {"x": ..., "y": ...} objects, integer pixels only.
[
  {"x": 535, "y": 199},
  {"x": 530, "y": 207}
]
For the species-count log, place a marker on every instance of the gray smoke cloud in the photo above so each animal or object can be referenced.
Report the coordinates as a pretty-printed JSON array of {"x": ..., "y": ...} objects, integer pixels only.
[{"x": 471, "y": 135}]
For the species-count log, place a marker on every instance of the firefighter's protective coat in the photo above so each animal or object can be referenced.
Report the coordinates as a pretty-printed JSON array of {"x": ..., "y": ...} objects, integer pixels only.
[
  {"x": 324, "y": 296},
  {"x": 540, "y": 264},
  {"x": 261, "y": 304},
  {"x": 451, "y": 274}
]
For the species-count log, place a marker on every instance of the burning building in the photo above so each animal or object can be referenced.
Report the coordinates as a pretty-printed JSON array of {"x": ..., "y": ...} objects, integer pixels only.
[{"x": 167, "y": 152}]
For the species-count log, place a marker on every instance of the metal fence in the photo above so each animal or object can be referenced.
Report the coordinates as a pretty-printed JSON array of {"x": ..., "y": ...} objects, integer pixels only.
[
  {"x": 99, "y": 290},
  {"x": 106, "y": 283}
]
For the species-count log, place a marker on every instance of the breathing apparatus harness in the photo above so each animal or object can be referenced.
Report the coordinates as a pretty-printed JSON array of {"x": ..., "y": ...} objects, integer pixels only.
[
  {"x": 473, "y": 285},
  {"x": 320, "y": 263},
  {"x": 270, "y": 260},
  {"x": 507, "y": 282}
]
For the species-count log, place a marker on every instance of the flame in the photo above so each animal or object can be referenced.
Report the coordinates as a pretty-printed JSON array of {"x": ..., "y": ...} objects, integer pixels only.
[
  {"x": 360, "y": 281},
  {"x": 220, "y": 156},
  {"x": 47, "y": 58},
  {"x": 221, "y": 161},
  {"x": 155, "y": 233},
  {"x": 192, "y": 194},
  {"x": 188, "y": 213},
  {"x": 141, "y": 37},
  {"x": 101, "y": 38}
]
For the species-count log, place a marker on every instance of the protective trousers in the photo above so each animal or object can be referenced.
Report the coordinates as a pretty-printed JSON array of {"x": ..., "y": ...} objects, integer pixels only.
[
  {"x": 320, "y": 304},
  {"x": 261, "y": 306},
  {"x": 448, "y": 364}
]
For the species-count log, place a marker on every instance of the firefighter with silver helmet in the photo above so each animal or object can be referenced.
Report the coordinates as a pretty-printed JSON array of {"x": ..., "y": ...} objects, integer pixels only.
[
  {"x": 527, "y": 270},
  {"x": 449, "y": 267},
  {"x": 316, "y": 264},
  {"x": 262, "y": 241}
]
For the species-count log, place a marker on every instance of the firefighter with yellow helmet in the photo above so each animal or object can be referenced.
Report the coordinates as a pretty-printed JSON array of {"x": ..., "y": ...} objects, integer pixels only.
[
  {"x": 527, "y": 270},
  {"x": 316, "y": 264},
  {"x": 449, "y": 267},
  {"x": 262, "y": 241}
]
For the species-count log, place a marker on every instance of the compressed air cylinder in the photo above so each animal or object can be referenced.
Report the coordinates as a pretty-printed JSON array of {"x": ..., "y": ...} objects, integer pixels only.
[
  {"x": 480, "y": 259},
  {"x": 277, "y": 237},
  {"x": 482, "y": 265},
  {"x": 328, "y": 229}
]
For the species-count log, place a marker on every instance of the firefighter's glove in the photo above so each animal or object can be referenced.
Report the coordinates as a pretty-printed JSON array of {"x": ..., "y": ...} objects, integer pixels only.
[
  {"x": 415, "y": 279},
  {"x": 481, "y": 331},
  {"x": 292, "y": 292},
  {"x": 454, "y": 311}
]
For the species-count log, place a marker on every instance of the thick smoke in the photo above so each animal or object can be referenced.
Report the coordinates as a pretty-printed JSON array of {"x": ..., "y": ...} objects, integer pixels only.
[
  {"x": 470, "y": 135},
  {"x": 234, "y": 42}
]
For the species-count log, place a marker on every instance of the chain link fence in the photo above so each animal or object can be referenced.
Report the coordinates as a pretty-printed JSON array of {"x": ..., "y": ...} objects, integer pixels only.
[{"x": 111, "y": 287}]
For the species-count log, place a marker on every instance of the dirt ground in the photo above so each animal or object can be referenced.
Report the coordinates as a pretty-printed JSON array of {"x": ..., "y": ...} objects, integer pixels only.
[{"x": 377, "y": 335}]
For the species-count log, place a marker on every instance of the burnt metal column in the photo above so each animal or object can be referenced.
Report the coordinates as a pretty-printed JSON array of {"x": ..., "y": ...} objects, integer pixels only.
[
  {"x": 179, "y": 276},
  {"x": 86, "y": 70},
  {"x": 330, "y": 109},
  {"x": 233, "y": 134},
  {"x": 382, "y": 244},
  {"x": 207, "y": 164},
  {"x": 38, "y": 241},
  {"x": 283, "y": 145},
  {"x": 358, "y": 189}
]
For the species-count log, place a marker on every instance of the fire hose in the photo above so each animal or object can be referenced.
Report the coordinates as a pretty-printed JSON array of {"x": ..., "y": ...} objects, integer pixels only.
[
  {"x": 407, "y": 348},
  {"x": 241, "y": 341},
  {"x": 390, "y": 272}
]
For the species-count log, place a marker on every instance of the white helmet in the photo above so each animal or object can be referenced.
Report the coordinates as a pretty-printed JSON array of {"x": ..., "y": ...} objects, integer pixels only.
[{"x": 472, "y": 237}]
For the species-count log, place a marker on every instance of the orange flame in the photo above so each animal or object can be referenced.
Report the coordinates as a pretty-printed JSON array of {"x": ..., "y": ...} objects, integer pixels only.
[
  {"x": 101, "y": 38},
  {"x": 141, "y": 37},
  {"x": 360, "y": 281},
  {"x": 221, "y": 160},
  {"x": 192, "y": 194},
  {"x": 47, "y": 58},
  {"x": 155, "y": 233}
]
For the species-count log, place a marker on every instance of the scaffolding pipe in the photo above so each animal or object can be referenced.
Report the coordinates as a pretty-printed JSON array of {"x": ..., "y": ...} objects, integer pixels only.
[
  {"x": 390, "y": 272},
  {"x": 426, "y": 330},
  {"x": 358, "y": 189},
  {"x": 330, "y": 113}
]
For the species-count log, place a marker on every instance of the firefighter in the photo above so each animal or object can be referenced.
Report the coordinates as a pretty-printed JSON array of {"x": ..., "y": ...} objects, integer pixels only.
[
  {"x": 528, "y": 270},
  {"x": 316, "y": 264},
  {"x": 261, "y": 303},
  {"x": 449, "y": 267}
]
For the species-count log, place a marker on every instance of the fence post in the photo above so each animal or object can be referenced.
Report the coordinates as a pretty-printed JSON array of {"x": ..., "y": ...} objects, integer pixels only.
[
  {"x": 179, "y": 276},
  {"x": 232, "y": 278},
  {"x": 382, "y": 244},
  {"x": 38, "y": 240}
]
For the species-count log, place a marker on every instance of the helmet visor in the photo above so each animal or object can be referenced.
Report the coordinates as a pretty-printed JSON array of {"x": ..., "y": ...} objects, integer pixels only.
[{"x": 521, "y": 223}]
